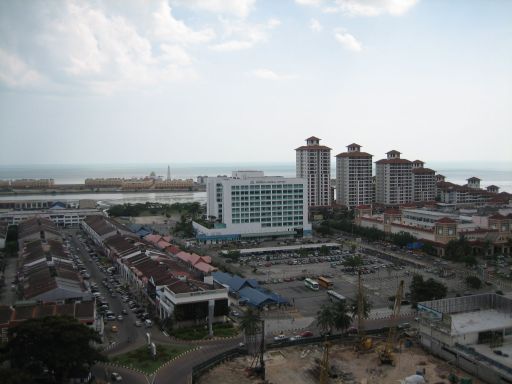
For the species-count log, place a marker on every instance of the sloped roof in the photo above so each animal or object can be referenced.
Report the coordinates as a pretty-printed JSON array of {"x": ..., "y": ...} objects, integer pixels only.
[
  {"x": 204, "y": 267},
  {"x": 234, "y": 282},
  {"x": 254, "y": 297}
]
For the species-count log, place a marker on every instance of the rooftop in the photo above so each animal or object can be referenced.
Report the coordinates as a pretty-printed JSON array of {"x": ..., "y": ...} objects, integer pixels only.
[{"x": 480, "y": 321}]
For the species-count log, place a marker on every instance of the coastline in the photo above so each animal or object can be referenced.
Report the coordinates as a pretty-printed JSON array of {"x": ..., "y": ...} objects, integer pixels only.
[{"x": 57, "y": 192}]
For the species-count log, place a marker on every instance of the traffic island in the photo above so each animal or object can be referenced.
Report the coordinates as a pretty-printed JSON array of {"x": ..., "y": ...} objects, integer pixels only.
[
  {"x": 142, "y": 360},
  {"x": 224, "y": 330}
]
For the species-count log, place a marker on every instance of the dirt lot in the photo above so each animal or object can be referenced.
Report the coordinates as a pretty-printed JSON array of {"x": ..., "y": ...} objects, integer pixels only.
[{"x": 298, "y": 365}]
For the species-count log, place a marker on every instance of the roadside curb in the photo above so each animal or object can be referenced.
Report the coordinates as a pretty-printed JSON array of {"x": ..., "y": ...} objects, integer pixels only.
[
  {"x": 206, "y": 341},
  {"x": 111, "y": 364},
  {"x": 287, "y": 330}
]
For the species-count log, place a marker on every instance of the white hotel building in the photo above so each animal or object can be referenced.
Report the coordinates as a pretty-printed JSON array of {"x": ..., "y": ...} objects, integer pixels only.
[{"x": 251, "y": 205}]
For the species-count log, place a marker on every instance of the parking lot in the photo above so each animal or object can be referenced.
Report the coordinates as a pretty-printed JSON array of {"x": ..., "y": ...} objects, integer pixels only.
[{"x": 284, "y": 273}]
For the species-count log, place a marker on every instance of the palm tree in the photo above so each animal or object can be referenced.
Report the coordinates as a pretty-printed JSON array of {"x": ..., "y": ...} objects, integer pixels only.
[
  {"x": 325, "y": 318},
  {"x": 367, "y": 306},
  {"x": 251, "y": 325},
  {"x": 342, "y": 318}
]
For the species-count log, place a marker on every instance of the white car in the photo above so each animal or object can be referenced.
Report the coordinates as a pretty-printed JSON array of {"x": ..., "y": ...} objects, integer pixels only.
[
  {"x": 116, "y": 376},
  {"x": 280, "y": 337}
]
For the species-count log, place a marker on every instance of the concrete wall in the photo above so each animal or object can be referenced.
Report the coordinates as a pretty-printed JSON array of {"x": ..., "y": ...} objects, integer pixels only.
[{"x": 467, "y": 363}]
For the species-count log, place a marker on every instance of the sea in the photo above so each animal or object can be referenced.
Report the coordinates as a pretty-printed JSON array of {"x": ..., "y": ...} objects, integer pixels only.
[{"x": 497, "y": 173}]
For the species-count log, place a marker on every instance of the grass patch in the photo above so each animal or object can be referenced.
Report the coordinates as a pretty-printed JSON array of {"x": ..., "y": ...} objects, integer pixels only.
[
  {"x": 201, "y": 332},
  {"x": 142, "y": 360}
]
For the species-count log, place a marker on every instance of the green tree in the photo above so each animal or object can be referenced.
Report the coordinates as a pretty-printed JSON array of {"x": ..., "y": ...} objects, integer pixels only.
[
  {"x": 473, "y": 282},
  {"x": 423, "y": 290},
  {"x": 333, "y": 316},
  {"x": 324, "y": 250},
  {"x": 353, "y": 261},
  {"x": 342, "y": 318},
  {"x": 458, "y": 250},
  {"x": 402, "y": 239},
  {"x": 325, "y": 318},
  {"x": 59, "y": 344},
  {"x": 367, "y": 307}
]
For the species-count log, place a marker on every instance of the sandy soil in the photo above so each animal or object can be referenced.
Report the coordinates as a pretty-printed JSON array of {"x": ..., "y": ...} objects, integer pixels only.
[{"x": 299, "y": 365}]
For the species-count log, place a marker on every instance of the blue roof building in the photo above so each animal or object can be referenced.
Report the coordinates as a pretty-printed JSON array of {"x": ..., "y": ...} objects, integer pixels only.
[{"x": 248, "y": 290}]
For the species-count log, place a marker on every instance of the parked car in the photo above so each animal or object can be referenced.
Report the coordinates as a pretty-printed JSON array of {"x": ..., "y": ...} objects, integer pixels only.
[
  {"x": 306, "y": 334},
  {"x": 138, "y": 323},
  {"x": 116, "y": 376},
  {"x": 280, "y": 337}
]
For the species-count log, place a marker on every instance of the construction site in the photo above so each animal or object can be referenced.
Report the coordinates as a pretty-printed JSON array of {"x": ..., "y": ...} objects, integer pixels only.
[
  {"x": 306, "y": 365},
  {"x": 394, "y": 356}
]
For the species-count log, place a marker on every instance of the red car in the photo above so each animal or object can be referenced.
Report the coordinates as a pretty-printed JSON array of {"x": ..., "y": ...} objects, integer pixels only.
[{"x": 306, "y": 334}]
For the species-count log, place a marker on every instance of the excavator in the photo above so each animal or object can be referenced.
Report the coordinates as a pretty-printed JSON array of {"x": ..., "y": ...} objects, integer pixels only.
[{"x": 386, "y": 355}]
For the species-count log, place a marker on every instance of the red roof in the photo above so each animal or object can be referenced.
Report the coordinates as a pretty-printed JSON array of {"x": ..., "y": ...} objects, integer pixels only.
[
  {"x": 392, "y": 211},
  {"x": 364, "y": 206},
  {"x": 354, "y": 154},
  {"x": 393, "y": 161},
  {"x": 423, "y": 171},
  {"x": 393, "y": 151},
  {"x": 418, "y": 162},
  {"x": 446, "y": 220},
  {"x": 313, "y": 138},
  {"x": 473, "y": 178},
  {"x": 312, "y": 148},
  {"x": 353, "y": 145}
]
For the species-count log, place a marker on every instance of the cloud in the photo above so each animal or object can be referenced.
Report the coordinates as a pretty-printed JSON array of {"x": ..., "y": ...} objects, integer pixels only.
[
  {"x": 239, "y": 35},
  {"x": 15, "y": 73},
  {"x": 362, "y": 7},
  {"x": 168, "y": 28},
  {"x": 96, "y": 47},
  {"x": 267, "y": 74},
  {"x": 315, "y": 25},
  {"x": 239, "y": 8},
  {"x": 348, "y": 41},
  {"x": 309, "y": 2}
]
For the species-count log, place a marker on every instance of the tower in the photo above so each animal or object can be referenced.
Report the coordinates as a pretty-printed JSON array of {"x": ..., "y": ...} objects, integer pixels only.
[
  {"x": 168, "y": 172},
  {"x": 313, "y": 163}
]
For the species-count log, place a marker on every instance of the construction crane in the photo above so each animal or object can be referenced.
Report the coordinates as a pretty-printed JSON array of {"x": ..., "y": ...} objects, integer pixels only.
[
  {"x": 324, "y": 365},
  {"x": 365, "y": 342},
  {"x": 386, "y": 353},
  {"x": 257, "y": 367}
]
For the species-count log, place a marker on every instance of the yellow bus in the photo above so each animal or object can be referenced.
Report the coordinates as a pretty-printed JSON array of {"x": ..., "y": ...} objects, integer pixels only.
[{"x": 325, "y": 282}]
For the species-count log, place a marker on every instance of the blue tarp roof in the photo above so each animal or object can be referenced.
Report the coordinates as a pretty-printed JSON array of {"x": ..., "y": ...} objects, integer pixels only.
[
  {"x": 235, "y": 283},
  {"x": 255, "y": 297},
  {"x": 249, "y": 290}
]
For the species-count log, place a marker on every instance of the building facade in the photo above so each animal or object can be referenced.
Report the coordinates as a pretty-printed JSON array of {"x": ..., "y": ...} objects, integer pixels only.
[
  {"x": 423, "y": 181},
  {"x": 313, "y": 163},
  {"x": 354, "y": 185},
  {"x": 251, "y": 206},
  {"x": 394, "y": 181}
]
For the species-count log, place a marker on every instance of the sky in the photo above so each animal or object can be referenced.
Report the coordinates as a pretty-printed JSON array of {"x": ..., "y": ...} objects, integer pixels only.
[{"x": 210, "y": 81}]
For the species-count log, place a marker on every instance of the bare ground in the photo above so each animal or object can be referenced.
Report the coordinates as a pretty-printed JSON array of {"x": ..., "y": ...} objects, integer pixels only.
[{"x": 299, "y": 365}]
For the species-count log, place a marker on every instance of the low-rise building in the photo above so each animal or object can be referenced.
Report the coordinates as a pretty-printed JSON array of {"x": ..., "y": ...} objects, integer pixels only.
[
  {"x": 63, "y": 218},
  {"x": 32, "y": 183},
  {"x": 468, "y": 331},
  {"x": 487, "y": 234},
  {"x": 174, "y": 184},
  {"x": 84, "y": 312}
]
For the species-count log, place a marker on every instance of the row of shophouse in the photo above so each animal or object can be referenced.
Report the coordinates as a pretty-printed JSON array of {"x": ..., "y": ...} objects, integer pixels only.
[
  {"x": 171, "y": 282},
  {"x": 47, "y": 280}
]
